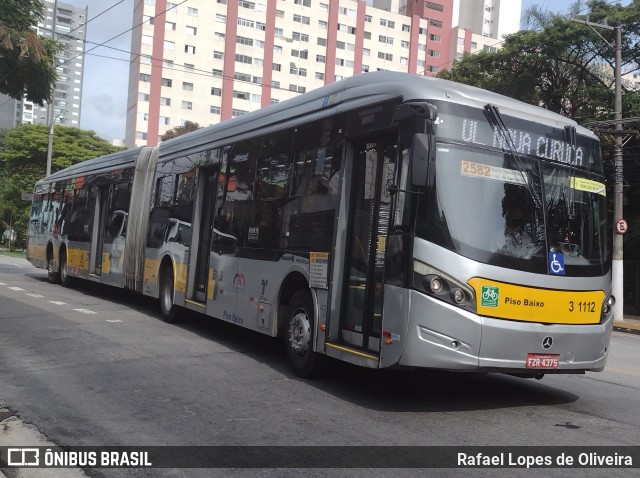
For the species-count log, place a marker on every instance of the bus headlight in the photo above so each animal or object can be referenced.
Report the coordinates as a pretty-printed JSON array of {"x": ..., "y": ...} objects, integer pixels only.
[
  {"x": 436, "y": 284},
  {"x": 609, "y": 302}
]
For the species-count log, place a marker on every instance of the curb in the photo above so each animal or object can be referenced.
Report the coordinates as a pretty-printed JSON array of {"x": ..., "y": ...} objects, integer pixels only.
[{"x": 630, "y": 326}]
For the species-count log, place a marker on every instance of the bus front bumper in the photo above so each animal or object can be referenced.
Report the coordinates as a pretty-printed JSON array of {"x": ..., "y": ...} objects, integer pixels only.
[{"x": 445, "y": 337}]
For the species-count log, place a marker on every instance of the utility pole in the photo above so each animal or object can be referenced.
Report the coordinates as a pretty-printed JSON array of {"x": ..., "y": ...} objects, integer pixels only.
[
  {"x": 617, "y": 279},
  {"x": 51, "y": 102}
]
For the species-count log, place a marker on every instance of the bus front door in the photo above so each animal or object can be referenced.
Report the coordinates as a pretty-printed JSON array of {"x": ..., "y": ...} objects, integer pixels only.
[
  {"x": 361, "y": 318},
  {"x": 100, "y": 195}
]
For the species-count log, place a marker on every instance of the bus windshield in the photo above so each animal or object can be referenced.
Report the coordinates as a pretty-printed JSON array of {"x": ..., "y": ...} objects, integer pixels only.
[{"x": 480, "y": 205}]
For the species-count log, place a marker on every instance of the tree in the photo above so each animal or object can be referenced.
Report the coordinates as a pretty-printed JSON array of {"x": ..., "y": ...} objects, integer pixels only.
[
  {"x": 23, "y": 156},
  {"x": 563, "y": 66},
  {"x": 23, "y": 160},
  {"x": 26, "y": 69},
  {"x": 187, "y": 127}
]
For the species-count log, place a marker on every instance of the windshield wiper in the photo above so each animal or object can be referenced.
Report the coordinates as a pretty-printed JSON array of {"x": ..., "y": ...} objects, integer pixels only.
[
  {"x": 571, "y": 132},
  {"x": 530, "y": 182}
]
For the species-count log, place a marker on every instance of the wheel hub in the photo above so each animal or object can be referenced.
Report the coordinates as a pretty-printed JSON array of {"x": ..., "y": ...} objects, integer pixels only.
[{"x": 300, "y": 333}]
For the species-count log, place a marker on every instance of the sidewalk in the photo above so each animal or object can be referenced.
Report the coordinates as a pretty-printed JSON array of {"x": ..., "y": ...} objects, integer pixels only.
[{"x": 629, "y": 323}]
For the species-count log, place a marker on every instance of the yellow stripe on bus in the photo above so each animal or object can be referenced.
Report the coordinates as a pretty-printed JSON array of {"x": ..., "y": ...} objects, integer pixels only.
[
  {"x": 529, "y": 304},
  {"x": 353, "y": 352}
]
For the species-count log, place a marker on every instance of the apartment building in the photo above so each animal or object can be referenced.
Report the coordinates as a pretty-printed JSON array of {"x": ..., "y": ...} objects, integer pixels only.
[
  {"x": 66, "y": 23},
  {"x": 207, "y": 61}
]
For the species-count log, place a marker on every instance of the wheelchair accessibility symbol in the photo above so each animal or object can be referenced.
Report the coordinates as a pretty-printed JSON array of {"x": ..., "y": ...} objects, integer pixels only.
[{"x": 556, "y": 263}]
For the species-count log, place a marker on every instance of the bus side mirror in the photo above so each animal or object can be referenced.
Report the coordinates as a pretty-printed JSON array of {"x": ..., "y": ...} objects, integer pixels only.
[{"x": 420, "y": 159}]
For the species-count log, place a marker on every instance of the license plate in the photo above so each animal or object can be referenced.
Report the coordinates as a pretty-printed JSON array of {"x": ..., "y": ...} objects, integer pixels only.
[{"x": 542, "y": 361}]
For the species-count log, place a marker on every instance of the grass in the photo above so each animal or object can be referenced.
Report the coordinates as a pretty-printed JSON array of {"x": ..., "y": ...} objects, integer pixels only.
[{"x": 5, "y": 252}]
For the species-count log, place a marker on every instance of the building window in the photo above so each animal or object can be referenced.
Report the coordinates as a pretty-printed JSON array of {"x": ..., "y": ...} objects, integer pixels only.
[
  {"x": 164, "y": 120},
  {"x": 301, "y": 19},
  {"x": 218, "y": 36},
  {"x": 435, "y": 23},
  {"x": 189, "y": 67},
  {"x": 434, "y": 37},
  {"x": 277, "y": 49},
  {"x": 187, "y": 105},
  {"x": 218, "y": 55},
  {"x": 242, "y": 77},
  {"x": 279, "y": 14},
  {"x": 192, "y": 12},
  {"x": 385, "y": 39},
  {"x": 244, "y": 41},
  {"x": 241, "y": 95},
  {"x": 216, "y": 91},
  {"x": 165, "y": 101},
  {"x": 214, "y": 110},
  {"x": 244, "y": 59},
  {"x": 243, "y": 22},
  {"x": 191, "y": 30},
  {"x": 319, "y": 76},
  {"x": 406, "y": 28},
  {"x": 321, "y": 58},
  {"x": 385, "y": 56},
  {"x": 435, "y": 6},
  {"x": 322, "y": 24},
  {"x": 245, "y": 4},
  {"x": 166, "y": 82},
  {"x": 387, "y": 23},
  {"x": 256, "y": 98},
  {"x": 221, "y": 18},
  {"x": 141, "y": 135},
  {"x": 433, "y": 53},
  {"x": 404, "y": 44},
  {"x": 367, "y": 18},
  {"x": 187, "y": 86},
  {"x": 235, "y": 113},
  {"x": 304, "y": 3},
  {"x": 216, "y": 73},
  {"x": 145, "y": 77},
  {"x": 141, "y": 96},
  {"x": 300, "y": 37},
  {"x": 324, "y": 7},
  {"x": 169, "y": 26},
  {"x": 366, "y": 52},
  {"x": 404, "y": 61},
  {"x": 169, "y": 45},
  {"x": 191, "y": 49},
  {"x": 367, "y": 35},
  {"x": 277, "y": 67}
]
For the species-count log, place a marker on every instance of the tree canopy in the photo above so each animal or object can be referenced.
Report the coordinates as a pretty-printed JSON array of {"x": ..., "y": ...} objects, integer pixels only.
[
  {"x": 187, "y": 127},
  {"x": 26, "y": 69},
  {"x": 23, "y": 160},
  {"x": 563, "y": 66}
]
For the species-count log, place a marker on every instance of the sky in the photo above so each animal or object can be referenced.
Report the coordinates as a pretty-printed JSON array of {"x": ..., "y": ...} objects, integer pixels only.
[{"x": 106, "y": 73}]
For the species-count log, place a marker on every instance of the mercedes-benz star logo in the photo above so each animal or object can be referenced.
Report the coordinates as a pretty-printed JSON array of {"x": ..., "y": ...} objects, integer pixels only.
[{"x": 547, "y": 342}]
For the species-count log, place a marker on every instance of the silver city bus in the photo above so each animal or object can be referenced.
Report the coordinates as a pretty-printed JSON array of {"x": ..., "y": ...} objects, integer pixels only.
[{"x": 385, "y": 220}]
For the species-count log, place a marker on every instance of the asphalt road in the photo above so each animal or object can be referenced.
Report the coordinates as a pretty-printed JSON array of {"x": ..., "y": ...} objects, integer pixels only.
[{"x": 96, "y": 366}]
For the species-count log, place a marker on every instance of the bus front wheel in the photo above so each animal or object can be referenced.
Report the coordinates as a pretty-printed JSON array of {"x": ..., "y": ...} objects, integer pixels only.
[
  {"x": 167, "y": 307},
  {"x": 300, "y": 333}
]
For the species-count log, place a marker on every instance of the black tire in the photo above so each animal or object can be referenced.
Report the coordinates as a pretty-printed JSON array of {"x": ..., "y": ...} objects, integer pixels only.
[
  {"x": 65, "y": 279},
  {"x": 52, "y": 275},
  {"x": 299, "y": 335},
  {"x": 168, "y": 309}
]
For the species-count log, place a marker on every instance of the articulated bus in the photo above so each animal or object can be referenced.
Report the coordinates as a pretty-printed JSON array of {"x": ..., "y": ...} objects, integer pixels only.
[{"x": 385, "y": 220}]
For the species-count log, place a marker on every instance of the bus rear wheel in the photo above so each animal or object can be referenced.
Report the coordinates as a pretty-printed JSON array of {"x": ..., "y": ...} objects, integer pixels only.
[
  {"x": 300, "y": 334},
  {"x": 65, "y": 279},
  {"x": 167, "y": 307},
  {"x": 53, "y": 276}
]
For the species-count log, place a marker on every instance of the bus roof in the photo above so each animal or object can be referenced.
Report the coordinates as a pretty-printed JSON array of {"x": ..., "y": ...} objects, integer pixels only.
[
  {"x": 103, "y": 163},
  {"x": 357, "y": 91},
  {"x": 351, "y": 93}
]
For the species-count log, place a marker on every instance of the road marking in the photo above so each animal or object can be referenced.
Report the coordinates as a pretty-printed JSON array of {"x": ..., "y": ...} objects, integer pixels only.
[
  {"x": 57, "y": 303},
  {"x": 112, "y": 321},
  {"x": 85, "y": 311},
  {"x": 623, "y": 371},
  {"x": 35, "y": 295},
  {"x": 16, "y": 288}
]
